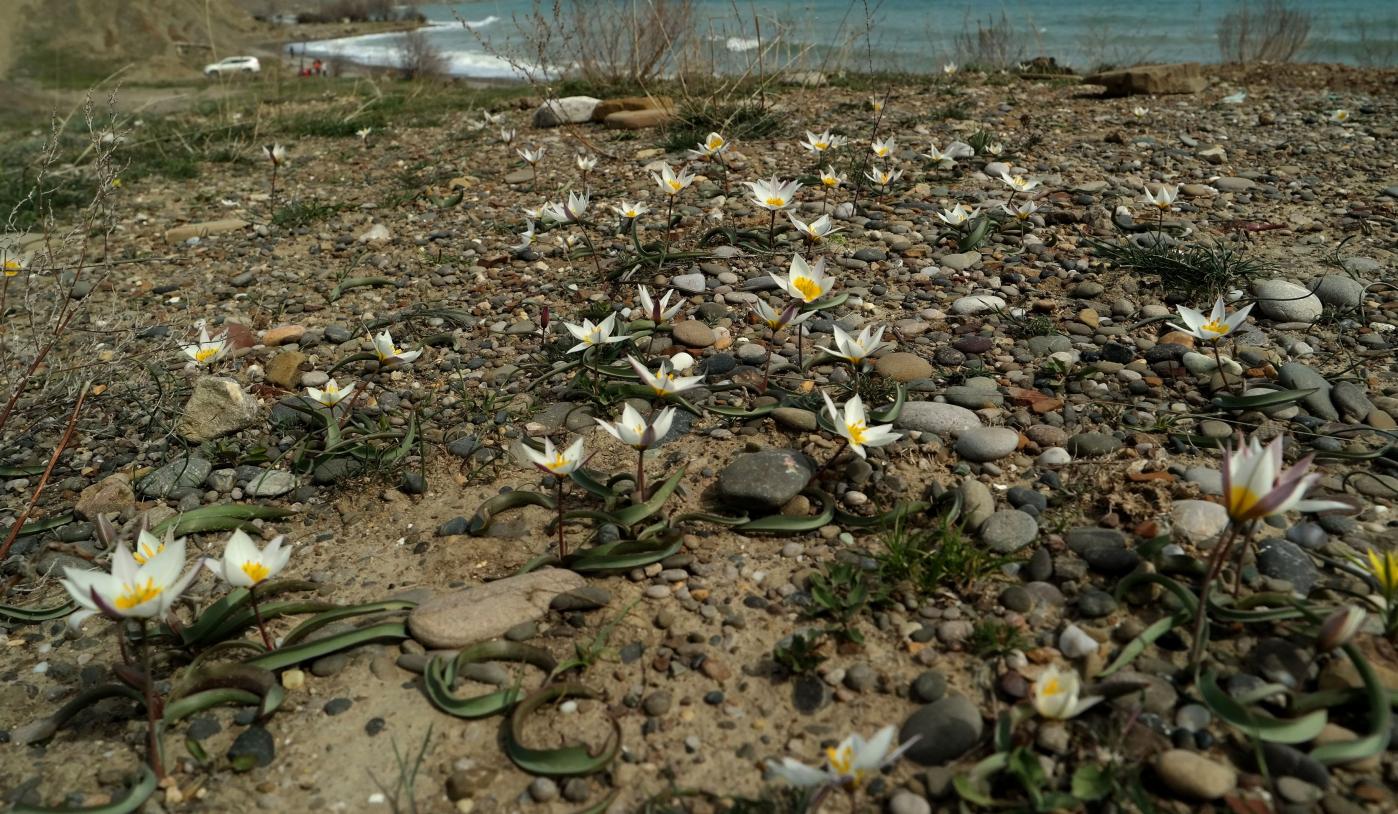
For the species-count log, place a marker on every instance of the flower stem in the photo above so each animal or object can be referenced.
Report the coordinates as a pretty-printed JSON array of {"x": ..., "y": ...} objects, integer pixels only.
[
  {"x": 669, "y": 216},
  {"x": 1219, "y": 361},
  {"x": 640, "y": 476},
  {"x": 562, "y": 545},
  {"x": 1201, "y": 616},
  {"x": 153, "y": 711},
  {"x": 1242, "y": 552},
  {"x": 257, "y": 614},
  {"x": 844, "y": 442},
  {"x": 767, "y": 363},
  {"x": 800, "y": 348},
  {"x": 772, "y": 231}
]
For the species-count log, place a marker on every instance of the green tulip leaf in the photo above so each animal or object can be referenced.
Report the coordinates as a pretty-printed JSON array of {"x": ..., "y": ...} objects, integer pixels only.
[
  {"x": 565, "y": 761},
  {"x": 287, "y": 656},
  {"x": 1256, "y": 724},
  {"x": 513, "y": 499},
  {"x": 219, "y": 518},
  {"x": 357, "y": 282},
  {"x": 29, "y": 616},
  {"x": 133, "y": 800},
  {"x": 442, "y": 672},
  {"x": 1275, "y": 398},
  {"x": 336, "y": 614},
  {"x": 781, "y": 524}
]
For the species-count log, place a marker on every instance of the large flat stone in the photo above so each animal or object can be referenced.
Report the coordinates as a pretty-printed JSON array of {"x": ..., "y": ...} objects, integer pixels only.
[
  {"x": 607, "y": 107},
  {"x": 483, "y": 612},
  {"x": 217, "y": 407},
  {"x": 1180, "y": 77},
  {"x": 180, "y": 234}
]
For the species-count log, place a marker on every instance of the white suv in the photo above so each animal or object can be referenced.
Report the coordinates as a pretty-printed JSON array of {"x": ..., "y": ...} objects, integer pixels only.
[{"x": 233, "y": 66}]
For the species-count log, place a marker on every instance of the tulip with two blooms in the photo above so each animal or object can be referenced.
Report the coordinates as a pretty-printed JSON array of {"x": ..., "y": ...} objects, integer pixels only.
[{"x": 1255, "y": 487}]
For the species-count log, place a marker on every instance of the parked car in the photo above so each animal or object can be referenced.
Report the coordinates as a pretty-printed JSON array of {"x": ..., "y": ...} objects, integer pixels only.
[{"x": 232, "y": 66}]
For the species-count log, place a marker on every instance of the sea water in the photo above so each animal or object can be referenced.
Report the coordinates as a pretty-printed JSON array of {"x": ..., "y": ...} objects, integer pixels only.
[{"x": 495, "y": 39}]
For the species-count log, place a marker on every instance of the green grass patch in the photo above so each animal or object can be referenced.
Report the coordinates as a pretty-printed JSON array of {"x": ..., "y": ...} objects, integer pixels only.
[
  {"x": 304, "y": 213},
  {"x": 935, "y": 557}
]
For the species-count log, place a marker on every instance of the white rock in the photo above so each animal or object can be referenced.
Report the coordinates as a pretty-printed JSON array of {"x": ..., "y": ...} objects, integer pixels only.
[
  {"x": 1074, "y": 643},
  {"x": 568, "y": 110},
  {"x": 1197, "y": 521},
  {"x": 1285, "y": 301},
  {"x": 977, "y": 304}
]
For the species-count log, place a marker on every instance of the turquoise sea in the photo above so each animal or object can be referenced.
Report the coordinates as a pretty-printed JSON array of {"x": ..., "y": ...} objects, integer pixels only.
[{"x": 483, "y": 38}]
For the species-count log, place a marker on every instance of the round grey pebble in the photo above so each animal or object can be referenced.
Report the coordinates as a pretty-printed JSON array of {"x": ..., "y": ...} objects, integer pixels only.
[
  {"x": 1009, "y": 530},
  {"x": 543, "y": 790},
  {"x": 983, "y": 444},
  {"x": 930, "y": 686},
  {"x": 905, "y": 802}
]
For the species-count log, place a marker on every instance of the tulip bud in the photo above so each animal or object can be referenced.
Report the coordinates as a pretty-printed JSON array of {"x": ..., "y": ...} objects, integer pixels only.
[
  {"x": 544, "y": 319},
  {"x": 1339, "y": 628}
]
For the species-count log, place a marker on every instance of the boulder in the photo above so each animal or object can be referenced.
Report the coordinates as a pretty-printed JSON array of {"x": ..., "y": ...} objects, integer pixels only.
[
  {"x": 112, "y": 494},
  {"x": 483, "y": 612},
  {"x": 217, "y": 407},
  {"x": 180, "y": 234},
  {"x": 639, "y": 119},
  {"x": 607, "y": 107},
  {"x": 1180, "y": 77},
  {"x": 568, "y": 110}
]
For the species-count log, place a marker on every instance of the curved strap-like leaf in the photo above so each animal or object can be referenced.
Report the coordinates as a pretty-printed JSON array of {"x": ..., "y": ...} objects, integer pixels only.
[
  {"x": 287, "y": 656},
  {"x": 442, "y": 671},
  {"x": 207, "y": 699},
  {"x": 245, "y": 618},
  {"x": 1275, "y": 398},
  {"x": 1380, "y": 719},
  {"x": 902, "y": 507},
  {"x": 706, "y": 517},
  {"x": 212, "y": 616},
  {"x": 353, "y": 357},
  {"x": 223, "y": 517},
  {"x": 29, "y": 616},
  {"x": 1189, "y": 602},
  {"x": 44, "y": 728},
  {"x": 1147, "y": 637},
  {"x": 133, "y": 800},
  {"x": 601, "y": 805},
  {"x": 223, "y": 675},
  {"x": 1258, "y": 725},
  {"x": 513, "y": 499},
  {"x": 740, "y": 412},
  {"x": 336, "y": 614},
  {"x": 623, "y": 556},
  {"x": 631, "y": 515},
  {"x": 780, "y": 524},
  {"x": 564, "y": 761},
  {"x": 890, "y": 414},
  {"x": 827, "y": 303}
]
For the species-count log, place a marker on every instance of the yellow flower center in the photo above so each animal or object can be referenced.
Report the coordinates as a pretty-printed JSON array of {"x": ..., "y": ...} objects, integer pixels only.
[
  {"x": 829, "y": 180},
  {"x": 857, "y": 431},
  {"x": 256, "y": 571},
  {"x": 715, "y": 144},
  {"x": 557, "y": 463},
  {"x": 1213, "y": 326},
  {"x": 821, "y": 145},
  {"x": 12, "y": 267},
  {"x": 144, "y": 552},
  {"x": 675, "y": 185},
  {"x": 840, "y": 759},
  {"x": 134, "y": 595},
  {"x": 1241, "y": 501},
  {"x": 1051, "y": 687},
  {"x": 775, "y": 201},
  {"x": 809, "y": 288},
  {"x": 203, "y": 355}
]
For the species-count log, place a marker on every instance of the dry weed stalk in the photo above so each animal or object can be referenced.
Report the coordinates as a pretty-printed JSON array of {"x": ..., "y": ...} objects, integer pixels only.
[{"x": 1274, "y": 33}]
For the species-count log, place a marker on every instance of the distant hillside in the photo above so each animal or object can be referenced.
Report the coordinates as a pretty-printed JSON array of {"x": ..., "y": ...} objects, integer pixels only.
[{"x": 74, "y": 42}]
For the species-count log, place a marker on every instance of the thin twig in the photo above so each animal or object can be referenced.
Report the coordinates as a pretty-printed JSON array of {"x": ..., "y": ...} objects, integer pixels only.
[{"x": 48, "y": 471}]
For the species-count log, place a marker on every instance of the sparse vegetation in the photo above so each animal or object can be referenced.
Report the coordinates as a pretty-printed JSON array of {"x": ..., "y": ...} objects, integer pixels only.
[{"x": 1266, "y": 31}]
